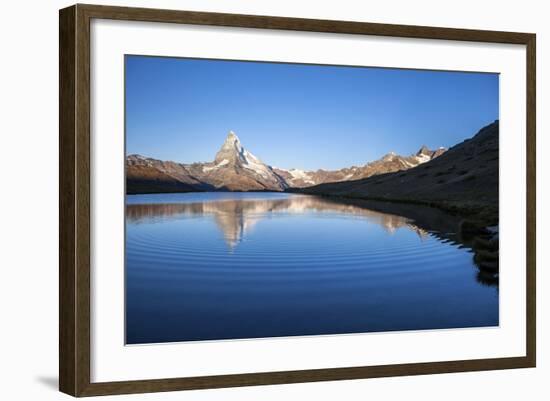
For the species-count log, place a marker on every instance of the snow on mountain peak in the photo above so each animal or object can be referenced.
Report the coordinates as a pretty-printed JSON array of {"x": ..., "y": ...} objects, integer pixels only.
[
  {"x": 233, "y": 153},
  {"x": 231, "y": 149},
  {"x": 423, "y": 151},
  {"x": 232, "y": 140}
]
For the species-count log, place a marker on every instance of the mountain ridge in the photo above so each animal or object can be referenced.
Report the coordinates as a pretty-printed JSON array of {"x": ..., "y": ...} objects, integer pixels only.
[{"x": 236, "y": 169}]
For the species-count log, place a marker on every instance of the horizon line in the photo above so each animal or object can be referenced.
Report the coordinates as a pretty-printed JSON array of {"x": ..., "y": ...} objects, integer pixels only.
[{"x": 232, "y": 132}]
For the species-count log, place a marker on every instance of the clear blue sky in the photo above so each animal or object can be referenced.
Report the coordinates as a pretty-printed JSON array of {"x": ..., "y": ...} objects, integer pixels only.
[{"x": 299, "y": 116}]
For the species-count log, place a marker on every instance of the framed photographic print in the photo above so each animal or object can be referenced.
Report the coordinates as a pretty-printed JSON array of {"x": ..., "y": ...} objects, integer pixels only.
[{"x": 251, "y": 200}]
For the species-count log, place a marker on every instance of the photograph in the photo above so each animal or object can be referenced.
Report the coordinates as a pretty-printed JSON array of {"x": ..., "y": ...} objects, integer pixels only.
[{"x": 273, "y": 199}]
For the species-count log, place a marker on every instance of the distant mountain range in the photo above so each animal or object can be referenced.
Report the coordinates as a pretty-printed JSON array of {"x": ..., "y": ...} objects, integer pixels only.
[{"x": 236, "y": 169}]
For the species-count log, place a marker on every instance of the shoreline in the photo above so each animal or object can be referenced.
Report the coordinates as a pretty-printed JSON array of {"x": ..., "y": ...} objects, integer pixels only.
[{"x": 487, "y": 215}]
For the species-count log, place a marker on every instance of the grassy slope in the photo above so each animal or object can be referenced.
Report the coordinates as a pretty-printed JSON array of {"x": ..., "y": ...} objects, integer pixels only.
[{"x": 463, "y": 180}]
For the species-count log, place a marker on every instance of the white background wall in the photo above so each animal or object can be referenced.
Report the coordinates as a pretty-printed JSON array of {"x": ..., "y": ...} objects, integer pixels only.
[{"x": 28, "y": 199}]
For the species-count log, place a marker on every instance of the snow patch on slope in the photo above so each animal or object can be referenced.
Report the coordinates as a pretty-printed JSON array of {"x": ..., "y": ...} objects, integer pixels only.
[
  {"x": 251, "y": 162},
  {"x": 217, "y": 166},
  {"x": 422, "y": 158},
  {"x": 301, "y": 175}
]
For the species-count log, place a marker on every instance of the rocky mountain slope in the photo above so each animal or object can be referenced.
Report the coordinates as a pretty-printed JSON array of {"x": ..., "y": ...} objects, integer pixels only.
[
  {"x": 462, "y": 179},
  {"x": 233, "y": 169},
  {"x": 236, "y": 169}
]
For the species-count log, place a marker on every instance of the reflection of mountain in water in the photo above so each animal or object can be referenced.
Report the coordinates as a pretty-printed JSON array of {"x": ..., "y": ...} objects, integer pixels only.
[{"x": 235, "y": 218}]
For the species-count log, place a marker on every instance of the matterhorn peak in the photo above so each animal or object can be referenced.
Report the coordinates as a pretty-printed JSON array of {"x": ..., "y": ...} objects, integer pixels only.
[
  {"x": 233, "y": 156},
  {"x": 232, "y": 135},
  {"x": 232, "y": 140},
  {"x": 231, "y": 150}
]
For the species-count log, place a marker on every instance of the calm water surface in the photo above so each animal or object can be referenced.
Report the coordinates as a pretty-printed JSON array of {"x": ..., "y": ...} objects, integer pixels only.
[{"x": 207, "y": 266}]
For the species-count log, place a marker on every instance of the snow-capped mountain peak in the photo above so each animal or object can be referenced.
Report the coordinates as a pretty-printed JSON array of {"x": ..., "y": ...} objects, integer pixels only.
[
  {"x": 231, "y": 149},
  {"x": 232, "y": 139},
  {"x": 233, "y": 155},
  {"x": 424, "y": 151},
  {"x": 425, "y": 154}
]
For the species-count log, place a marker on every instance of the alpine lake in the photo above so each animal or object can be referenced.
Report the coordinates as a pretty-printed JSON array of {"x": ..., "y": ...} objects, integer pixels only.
[{"x": 229, "y": 265}]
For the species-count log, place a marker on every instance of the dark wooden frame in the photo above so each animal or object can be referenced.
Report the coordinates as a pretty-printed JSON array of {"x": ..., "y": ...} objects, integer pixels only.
[{"x": 74, "y": 199}]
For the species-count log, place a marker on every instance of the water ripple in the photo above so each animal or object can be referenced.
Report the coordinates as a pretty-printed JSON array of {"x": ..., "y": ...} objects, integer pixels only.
[{"x": 290, "y": 265}]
